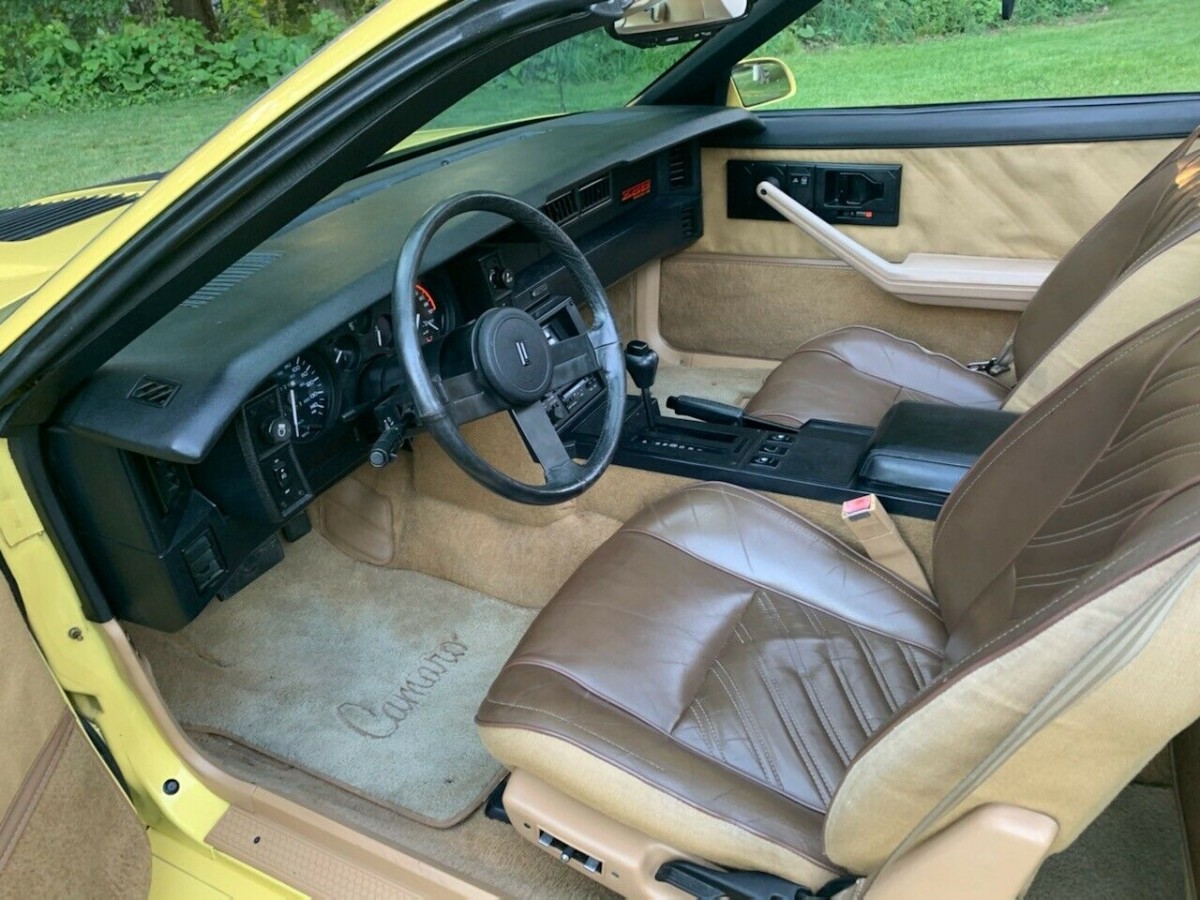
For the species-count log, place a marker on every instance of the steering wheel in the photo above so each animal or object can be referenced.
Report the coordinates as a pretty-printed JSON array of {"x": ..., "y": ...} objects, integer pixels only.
[{"x": 513, "y": 364}]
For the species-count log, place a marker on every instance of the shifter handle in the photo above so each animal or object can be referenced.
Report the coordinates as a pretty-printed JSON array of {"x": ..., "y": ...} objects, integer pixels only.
[{"x": 642, "y": 364}]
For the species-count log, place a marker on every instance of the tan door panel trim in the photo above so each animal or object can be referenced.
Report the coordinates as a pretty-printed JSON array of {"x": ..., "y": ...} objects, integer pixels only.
[
  {"x": 926, "y": 278},
  {"x": 647, "y": 298},
  {"x": 16, "y": 817}
]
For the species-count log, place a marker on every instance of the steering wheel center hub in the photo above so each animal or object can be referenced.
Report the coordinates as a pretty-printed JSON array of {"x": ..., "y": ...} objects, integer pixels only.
[{"x": 514, "y": 355}]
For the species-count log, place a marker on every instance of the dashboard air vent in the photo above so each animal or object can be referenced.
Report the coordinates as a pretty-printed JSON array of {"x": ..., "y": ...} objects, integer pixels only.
[
  {"x": 234, "y": 275},
  {"x": 26, "y": 222},
  {"x": 595, "y": 193},
  {"x": 679, "y": 166},
  {"x": 688, "y": 223},
  {"x": 563, "y": 208},
  {"x": 154, "y": 391}
]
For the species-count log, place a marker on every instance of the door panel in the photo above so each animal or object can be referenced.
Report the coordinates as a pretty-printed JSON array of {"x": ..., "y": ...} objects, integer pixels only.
[
  {"x": 1031, "y": 202},
  {"x": 757, "y": 289},
  {"x": 67, "y": 828}
]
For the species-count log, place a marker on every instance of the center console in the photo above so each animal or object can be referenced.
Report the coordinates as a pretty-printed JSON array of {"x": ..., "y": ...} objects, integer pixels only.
[{"x": 911, "y": 461}]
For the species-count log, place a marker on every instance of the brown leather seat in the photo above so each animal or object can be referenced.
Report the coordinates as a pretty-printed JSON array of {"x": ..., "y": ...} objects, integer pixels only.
[
  {"x": 855, "y": 374},
  {"x": 727, "y": 678}
]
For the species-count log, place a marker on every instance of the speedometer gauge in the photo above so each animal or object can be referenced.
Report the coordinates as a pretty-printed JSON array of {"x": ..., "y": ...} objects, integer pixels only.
[{"x": 306, "y": 395}]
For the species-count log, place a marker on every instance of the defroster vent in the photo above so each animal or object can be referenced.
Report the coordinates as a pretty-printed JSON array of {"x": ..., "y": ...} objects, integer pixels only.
[{"x": 154, "y": 391}]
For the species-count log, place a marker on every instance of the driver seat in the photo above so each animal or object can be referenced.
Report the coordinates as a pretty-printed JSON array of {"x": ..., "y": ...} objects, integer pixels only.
[{"x": 728, "y": 683}]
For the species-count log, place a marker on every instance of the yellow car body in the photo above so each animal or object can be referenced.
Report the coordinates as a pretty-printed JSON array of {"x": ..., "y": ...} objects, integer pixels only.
[
  {"x": 38, "y": 275},
  {"x": 34, "y": 278}
]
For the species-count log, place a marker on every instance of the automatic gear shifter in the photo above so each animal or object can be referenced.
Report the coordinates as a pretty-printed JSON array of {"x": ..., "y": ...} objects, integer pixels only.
[{"x": 642, "y": 364}]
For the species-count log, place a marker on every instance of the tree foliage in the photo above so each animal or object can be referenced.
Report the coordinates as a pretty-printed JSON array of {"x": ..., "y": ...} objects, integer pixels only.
[{"x": 62, "y": 53}]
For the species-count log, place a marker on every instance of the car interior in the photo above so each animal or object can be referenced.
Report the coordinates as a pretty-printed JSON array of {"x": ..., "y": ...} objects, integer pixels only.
[{"x": 491, "y": 509}]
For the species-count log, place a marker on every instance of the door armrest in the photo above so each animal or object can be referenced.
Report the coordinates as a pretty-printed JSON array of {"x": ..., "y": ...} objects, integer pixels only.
[{"x": 927, "y": 278}]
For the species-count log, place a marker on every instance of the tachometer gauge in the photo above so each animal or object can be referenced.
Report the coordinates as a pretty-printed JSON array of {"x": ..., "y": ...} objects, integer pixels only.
[
  {"x": 306, "y": 395},
  {"x": 431, "y": 318}
]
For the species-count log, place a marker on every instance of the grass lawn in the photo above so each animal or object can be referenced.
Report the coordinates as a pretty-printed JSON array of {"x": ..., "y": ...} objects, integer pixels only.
[
  {"x": 1135, "y": 46},
  {"x": 58, "y": 151}
]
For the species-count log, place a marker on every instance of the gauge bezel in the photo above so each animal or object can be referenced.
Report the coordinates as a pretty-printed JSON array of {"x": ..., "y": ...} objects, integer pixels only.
[
  {"x": 441, "y": 308},
  {"x": 327, "y": 379}
]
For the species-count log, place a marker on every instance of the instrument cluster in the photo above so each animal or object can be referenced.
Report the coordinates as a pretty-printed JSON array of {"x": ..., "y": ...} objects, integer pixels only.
[{"x": 325, "y": 383}]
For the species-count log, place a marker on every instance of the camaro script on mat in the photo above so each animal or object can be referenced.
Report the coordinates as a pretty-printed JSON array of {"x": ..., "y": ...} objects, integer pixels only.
[{"x": 401, "y": 702}]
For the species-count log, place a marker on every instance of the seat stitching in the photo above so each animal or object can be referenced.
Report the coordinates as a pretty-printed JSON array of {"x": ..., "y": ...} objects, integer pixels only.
[
  {"x": 911, "y": 665},
  {"x": 1189, "y": 373},
  {"x": 790, "y": 723},
  {"x": 1066, "y": 535},
  {"x": 819, "y": 709},
  {"x": 860, "y": 714},
  {"x": 885, "y": 689},
  {"x": 740, "y": 773},
  {"x": 1128, "y": 474},
  {"x": 799, "y": 600},
  {"x": 753, "y": 738},
  {"x": 1022, "y": 430},
  {"x": 707, "y": 728},
  {"x": 567, "y": 721},
  {"x": 1175, "y": 415},
  {"x": 1034, "y": 585},
  {"x": 1072, "y": 570},
  {"x": 789, "y": 641},
  {"x": 802, "y": 526},
  {"x": 1078, "y": 586},
  {"x": 1170, "y": 235},
  {"x": 1030, "y": 582}
]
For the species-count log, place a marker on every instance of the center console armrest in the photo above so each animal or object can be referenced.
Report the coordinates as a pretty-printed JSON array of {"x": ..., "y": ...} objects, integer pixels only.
[{"x": 930, "y": 446}]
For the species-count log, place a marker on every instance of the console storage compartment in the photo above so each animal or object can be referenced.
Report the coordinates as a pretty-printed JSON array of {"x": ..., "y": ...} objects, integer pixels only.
[{"x": 929, "y": 446}]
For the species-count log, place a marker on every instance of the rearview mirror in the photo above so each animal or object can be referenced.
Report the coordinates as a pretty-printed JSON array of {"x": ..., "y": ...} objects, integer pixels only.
[
  {"x": 757, "y": 82},
  {"x": 649, "y": 23}
]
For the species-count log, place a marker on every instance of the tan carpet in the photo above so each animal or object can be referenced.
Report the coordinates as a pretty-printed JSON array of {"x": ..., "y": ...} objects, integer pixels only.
[
  {"x": 734, "y": 386},
  {"x": 365, "y": 677},
  {"x": 1134, "y": 849}
]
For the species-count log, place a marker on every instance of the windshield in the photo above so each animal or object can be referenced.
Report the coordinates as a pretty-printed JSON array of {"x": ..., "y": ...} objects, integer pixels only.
[{"x": 587, "y": 72}]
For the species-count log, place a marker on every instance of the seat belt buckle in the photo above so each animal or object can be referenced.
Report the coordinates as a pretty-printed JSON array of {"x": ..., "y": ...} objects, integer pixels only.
[
  {"x": 859, "y": 508},
  {"x": 994, "y": 366}
]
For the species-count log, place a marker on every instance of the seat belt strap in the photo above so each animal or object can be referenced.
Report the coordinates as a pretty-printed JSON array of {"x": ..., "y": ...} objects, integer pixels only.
[
  {"x": 877, "y": 533},
  {"x": 1107, "y": 656}
]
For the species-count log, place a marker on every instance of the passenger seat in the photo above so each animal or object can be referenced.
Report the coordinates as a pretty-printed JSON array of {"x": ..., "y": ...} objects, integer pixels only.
[{"x": 1138, "y": 263}]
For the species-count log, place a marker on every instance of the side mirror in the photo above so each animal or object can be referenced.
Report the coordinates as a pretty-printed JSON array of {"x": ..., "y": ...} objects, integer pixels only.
[
  {"x": 760, "y": 81},
  {"x": 649, "y": 23}
]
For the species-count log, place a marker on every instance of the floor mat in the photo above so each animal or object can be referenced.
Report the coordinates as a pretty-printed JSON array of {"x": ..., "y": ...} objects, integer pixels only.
[
  {"x": 1133, "y": 849},
  {"x": 368, "y": 678}
]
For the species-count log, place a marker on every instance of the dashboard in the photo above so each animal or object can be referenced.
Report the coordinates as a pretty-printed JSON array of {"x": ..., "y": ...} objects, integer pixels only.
[{"x": 187, "y": 455}]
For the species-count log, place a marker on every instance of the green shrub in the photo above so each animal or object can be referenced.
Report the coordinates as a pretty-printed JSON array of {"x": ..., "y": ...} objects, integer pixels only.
[
  {"x": 892, "y": 21},
  {"x": 137, "y": 62},
  {"x": 61, "y": 53}
]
